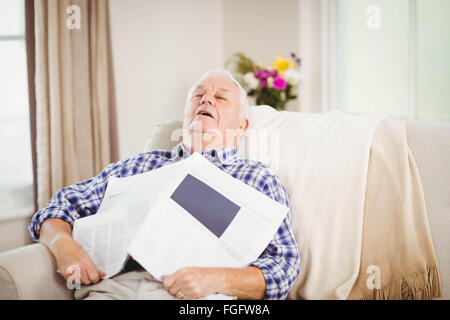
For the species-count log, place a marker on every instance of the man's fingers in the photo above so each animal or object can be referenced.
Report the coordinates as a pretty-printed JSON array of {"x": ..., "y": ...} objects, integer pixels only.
[
  {"x": 178, "y": 285},
  {"x": 174, "y": 289},
  {"x": 85, "y": 278},
  {"x": 93, "y": 274},
  {"x": 92, "y": 271},
  {"x": 168, "y": 281},
  {"x": 171, "y": 285},
  {"x": 76, "y": 264}
]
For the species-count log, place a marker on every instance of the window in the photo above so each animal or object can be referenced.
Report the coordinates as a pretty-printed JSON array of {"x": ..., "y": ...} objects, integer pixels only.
[
  {"x": 16, "y": 170},
  {"x": 433, "y": 59},
  {"x": 392, "y": 57}
]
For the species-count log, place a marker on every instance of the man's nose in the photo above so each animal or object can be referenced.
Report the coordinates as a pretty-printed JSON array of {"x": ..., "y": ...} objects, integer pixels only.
[{"x": 207, "y": 98}]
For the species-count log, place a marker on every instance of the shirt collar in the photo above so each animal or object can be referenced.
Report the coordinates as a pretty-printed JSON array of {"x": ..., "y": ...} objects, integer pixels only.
[{"x": 226, "y": 155}]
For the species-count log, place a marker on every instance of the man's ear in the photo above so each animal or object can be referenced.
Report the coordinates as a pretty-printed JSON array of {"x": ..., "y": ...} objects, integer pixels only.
[{"x": 244, "y": 123}]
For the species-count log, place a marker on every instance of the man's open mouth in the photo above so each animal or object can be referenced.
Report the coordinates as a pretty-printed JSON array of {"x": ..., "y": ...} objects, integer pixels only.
[{"x": 205, "y": 113}]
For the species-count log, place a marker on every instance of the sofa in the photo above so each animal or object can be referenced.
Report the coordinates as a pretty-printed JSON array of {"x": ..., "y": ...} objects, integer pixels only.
[{"x": 30, "y": 272}]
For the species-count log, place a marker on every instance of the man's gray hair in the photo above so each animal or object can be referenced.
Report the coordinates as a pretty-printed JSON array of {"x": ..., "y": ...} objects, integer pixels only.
[{"x": 221, "y": 73}]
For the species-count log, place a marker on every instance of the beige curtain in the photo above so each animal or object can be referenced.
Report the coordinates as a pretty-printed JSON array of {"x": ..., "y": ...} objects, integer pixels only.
[{"x": 75, "y": 122}]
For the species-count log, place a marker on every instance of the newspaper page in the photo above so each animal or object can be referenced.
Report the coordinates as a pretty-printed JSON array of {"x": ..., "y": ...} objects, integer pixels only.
[
  {"x": 205, "y": 218},
  {"x": 139, "y": 188},
  {"x": 106, "y": 235},
  {"x": 106, "y": 238}
]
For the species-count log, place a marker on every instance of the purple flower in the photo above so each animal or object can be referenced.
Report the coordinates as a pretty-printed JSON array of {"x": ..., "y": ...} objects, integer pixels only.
[
  {"x": 263, "y": 74},
  {"x": 279, "y": 83},
  {"x": 263, "y": 83}
]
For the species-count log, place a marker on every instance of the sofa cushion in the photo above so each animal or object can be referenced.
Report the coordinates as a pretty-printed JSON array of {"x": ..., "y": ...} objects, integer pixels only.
[
  {"x": 165, "y": 136},
  {"x": 9, "y": 290},
  {"x": 30, "y": 273},
  {"x": 430, "y": 144}
]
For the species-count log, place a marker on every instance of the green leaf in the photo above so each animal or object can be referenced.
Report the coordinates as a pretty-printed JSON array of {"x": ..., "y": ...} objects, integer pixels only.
[{"x": 240, "y": 63}]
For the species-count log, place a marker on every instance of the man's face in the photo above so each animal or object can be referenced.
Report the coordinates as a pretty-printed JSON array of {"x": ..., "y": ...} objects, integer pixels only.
[{"x": 214, "y": 109}]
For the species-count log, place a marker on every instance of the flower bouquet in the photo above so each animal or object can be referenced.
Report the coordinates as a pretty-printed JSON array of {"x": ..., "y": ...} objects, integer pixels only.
[{"x": 269, "y": 86}]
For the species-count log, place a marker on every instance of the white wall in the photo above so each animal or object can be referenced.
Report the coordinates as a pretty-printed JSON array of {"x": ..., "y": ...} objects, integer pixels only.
[
  {"x": 160, "y": 48},
  {"x": 261, "y": 29}
]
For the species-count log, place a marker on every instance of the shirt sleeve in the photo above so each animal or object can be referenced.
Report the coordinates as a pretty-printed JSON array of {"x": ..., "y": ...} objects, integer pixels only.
[
  {"x": 84, "y": 198},
  {"x": 280, "y": 261}
]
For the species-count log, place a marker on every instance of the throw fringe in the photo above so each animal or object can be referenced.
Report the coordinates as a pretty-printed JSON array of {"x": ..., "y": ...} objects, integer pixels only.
[{"x": 424, "y": 284}]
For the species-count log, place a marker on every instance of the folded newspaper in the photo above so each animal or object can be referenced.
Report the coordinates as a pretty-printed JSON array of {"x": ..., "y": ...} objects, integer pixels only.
[{"x": 189, "y": 213}]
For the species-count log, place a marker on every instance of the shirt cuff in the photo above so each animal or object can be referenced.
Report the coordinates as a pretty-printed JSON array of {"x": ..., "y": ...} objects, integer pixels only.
[
  {"x": 40, "y": 217},
  {"x": 267, "y": 264}
]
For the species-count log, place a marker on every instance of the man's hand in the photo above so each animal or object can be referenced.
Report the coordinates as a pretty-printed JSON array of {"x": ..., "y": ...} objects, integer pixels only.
[
  {"x": 56, "y": 235},
  {"x": 194, "y": 283},
  {"x": 68, "y": 254}
]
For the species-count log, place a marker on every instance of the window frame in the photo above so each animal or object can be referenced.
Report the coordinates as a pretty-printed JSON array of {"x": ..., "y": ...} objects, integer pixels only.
[
  {"x": 326, "y": 41},
  {"x": 19, "y": 202},
  {"x": 31, "y": 68}
]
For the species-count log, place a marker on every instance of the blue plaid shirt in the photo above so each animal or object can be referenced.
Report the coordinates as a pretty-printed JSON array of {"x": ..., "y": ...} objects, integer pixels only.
[{"x": 280, "y": 261}]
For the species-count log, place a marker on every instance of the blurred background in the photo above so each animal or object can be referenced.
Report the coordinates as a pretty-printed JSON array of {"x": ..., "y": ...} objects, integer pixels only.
[{"x": 127, "y": 65}]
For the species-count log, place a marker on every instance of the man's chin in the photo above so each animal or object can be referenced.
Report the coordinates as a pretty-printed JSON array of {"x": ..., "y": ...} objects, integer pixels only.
[
  {"x": 203, "y": 139},
  {"x": 203, "y": 126}
]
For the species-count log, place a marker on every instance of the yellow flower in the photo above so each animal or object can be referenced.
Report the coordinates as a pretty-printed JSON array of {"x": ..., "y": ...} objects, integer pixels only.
[{"x": 281, "y": 65}]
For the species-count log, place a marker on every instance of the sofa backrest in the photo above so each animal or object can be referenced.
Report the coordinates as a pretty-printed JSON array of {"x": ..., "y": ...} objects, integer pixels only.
[{"x": 430, "y": 145}]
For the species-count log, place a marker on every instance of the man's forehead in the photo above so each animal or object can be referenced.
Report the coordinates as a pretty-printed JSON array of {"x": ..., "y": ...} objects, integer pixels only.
[{"x": 221, "y": 84}]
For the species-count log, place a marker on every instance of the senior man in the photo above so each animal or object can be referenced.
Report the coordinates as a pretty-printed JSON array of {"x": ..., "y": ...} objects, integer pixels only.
[{"x": 215, "y": 117}]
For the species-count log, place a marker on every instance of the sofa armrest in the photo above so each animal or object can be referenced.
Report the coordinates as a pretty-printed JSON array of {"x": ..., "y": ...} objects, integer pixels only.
[{"x": 30, "y": 273}]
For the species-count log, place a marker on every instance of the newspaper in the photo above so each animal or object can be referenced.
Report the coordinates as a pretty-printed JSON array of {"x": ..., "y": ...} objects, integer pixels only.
[
  {"x": 106, "y": 235},
  {"x": 189, "y": 213}
]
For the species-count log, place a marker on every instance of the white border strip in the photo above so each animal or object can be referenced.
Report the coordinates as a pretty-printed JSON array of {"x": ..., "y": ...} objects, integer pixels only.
[{"x": 412, "y": 61}]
